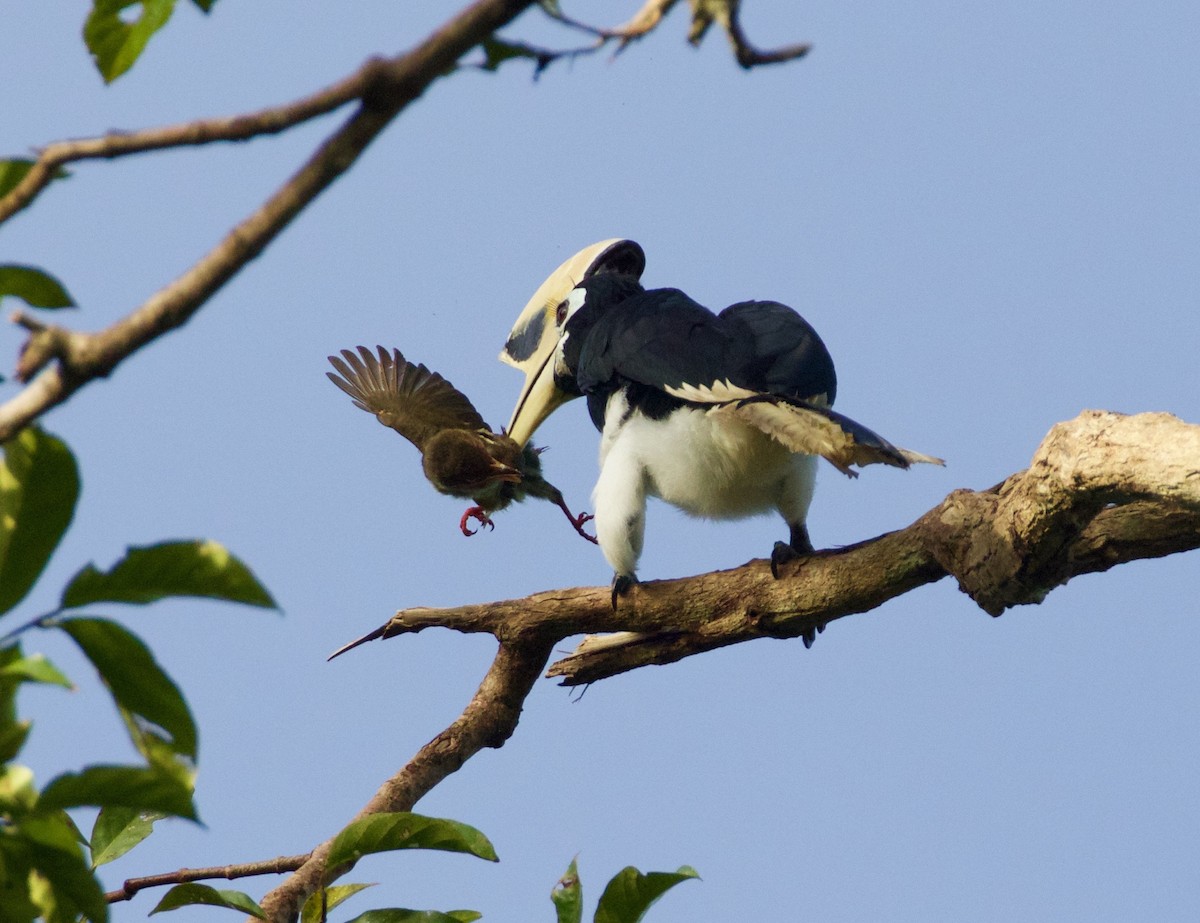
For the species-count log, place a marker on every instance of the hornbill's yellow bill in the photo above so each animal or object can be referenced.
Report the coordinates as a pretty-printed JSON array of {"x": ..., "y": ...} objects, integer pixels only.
[
  {"x": 460, "y": 454},
  {"x": 534, "y": 338}
]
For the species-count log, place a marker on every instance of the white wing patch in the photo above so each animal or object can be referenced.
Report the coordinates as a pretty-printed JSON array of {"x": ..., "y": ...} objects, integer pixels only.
[
  {"x": 718, "y": 392},
  {"x": 801, "y": 429}
]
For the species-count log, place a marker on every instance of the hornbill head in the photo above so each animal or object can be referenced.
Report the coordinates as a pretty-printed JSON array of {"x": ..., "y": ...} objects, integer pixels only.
[{"x": 532, "y": 345}]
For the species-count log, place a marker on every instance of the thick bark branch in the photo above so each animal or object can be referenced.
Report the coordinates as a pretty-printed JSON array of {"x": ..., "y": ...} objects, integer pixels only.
[
  {"x": 1101, "y": 490},
  {"x": 488, "y": 721}
]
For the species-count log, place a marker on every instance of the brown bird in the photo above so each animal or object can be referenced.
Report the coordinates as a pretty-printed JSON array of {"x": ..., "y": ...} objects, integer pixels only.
[{"x": 460, "y": 454}]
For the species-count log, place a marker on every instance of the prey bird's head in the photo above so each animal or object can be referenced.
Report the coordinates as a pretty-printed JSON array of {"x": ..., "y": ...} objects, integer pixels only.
[{"x": 534, "y": 341}]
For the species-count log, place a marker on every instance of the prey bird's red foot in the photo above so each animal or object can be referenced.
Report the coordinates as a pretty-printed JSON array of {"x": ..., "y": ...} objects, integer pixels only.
[
  {"x": 578, "y": 521},
  {"x": 475, "y": 512}
]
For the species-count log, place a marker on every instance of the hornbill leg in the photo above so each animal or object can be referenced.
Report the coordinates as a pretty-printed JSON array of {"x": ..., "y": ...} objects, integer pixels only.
[
  {"x": 798, "y": 545},
  {"x": 475, "y": 512},
  {"x": 620, "y": 586}
]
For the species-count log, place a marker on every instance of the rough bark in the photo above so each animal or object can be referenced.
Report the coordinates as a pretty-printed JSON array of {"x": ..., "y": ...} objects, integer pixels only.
[{"x": 1101, "y": 490}]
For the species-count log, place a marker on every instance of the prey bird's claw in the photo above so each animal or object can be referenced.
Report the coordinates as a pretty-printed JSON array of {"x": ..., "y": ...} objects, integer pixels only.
[
  {"x": 578, "y": 521},
  {"x": 475, "y": 512}
]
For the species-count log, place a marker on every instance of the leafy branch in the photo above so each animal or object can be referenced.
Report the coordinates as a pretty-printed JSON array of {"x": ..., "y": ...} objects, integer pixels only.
[{"x": 45, "y": 871}]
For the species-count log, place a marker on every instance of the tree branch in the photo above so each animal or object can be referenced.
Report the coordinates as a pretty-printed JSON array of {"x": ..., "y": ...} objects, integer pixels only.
[
  {"x": 726, "y": 13},
  {"x": 488, "y": 721},
  {"x": 242, "y": 127},
  {"x": 386, "y": 87},
  {"x": 1101, "y": 490},
  {"x": 244, "y": 870}
]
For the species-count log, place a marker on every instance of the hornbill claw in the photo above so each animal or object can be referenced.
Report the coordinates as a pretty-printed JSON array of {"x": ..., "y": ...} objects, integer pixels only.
[{"x": 620, "y": 586}]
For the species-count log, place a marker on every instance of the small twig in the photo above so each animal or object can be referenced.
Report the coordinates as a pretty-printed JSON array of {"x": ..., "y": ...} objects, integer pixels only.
[
  {"x": 202, "y": 131},
  {"x": 244, "y": 870}
]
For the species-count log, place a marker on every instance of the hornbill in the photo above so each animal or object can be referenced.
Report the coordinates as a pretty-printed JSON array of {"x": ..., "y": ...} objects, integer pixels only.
[
  {"x": 460, "y": 454},
  {"x": 722, "y": 415}
]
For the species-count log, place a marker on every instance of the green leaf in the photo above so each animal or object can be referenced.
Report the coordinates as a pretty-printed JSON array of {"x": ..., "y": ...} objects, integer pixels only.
[
  {"x": 313, "y": 911},
  {"x": 402, "y": 830},
  {"x": 18, "y": 794},
  {"x": 568, "y": 896},
  {"x": 39, "y": 484},
  {"x": 12, "y": 172},
  {"x": 34, "y": 669},
  {"x": 143, "y": 788},
  {"x": 133, "y": 676},
  {"x": 153, "y": 572},
  {"x": 205, "y": 5},
  {"x": 630, "y": 893},
  {"x": 497, "y": 50},
  {"x": 186, "y": 895},
  {"x": 33, "y": 286},
  {"x": 118, "y": 830},
  {"x": 67, "y": 887},
  {"x": 13, "y": 735},
  {"x": 13, "y": 732},
  {"x": 400, "y": 915},
  {"x": 115, "y": 40}
]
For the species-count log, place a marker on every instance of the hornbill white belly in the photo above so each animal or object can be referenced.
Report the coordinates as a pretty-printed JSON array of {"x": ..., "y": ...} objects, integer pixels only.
[{"x": 722, "y": 415}]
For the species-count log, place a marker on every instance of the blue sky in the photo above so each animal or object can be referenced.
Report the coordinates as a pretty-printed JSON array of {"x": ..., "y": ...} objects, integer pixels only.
[{"x": 991, "y": 216}]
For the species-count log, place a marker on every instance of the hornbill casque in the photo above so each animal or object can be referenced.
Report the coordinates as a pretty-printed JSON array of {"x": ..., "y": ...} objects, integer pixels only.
[
  {"x": 460, "y": 454},
  {"x": 722, "y": 415}
]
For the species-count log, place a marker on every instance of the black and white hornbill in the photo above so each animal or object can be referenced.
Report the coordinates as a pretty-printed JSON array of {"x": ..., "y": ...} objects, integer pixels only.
[
  {"x": 460, "y": 454},
  {"x": 722, "y": 415}
]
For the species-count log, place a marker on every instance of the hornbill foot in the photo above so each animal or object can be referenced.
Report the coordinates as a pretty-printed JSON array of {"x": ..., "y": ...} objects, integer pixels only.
[
  {"x": 780, "y": 555},
  {"x": 475, "y": 512},
  {"x": 811, "y": 635},
  {"x": 620, "y": 586}
]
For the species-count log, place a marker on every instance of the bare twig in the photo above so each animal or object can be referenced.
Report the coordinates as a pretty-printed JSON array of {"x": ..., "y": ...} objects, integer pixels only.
[
  {"x": 201, "y": 131},
  {"x": 245, "y": 870},
  {"x": 726, "y": 13}
]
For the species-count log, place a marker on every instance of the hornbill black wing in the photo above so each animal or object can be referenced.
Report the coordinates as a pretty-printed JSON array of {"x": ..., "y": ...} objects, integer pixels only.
[
  {"x": 759, "y": 362},
  {"x": 656, "y": 341},
  {"x": 412, "y": 400},
  {"x": 780, "y": 352}
]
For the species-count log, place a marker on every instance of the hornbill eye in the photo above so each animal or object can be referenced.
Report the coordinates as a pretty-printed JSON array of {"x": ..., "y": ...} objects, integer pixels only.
[{"x": 560, "y": 313}]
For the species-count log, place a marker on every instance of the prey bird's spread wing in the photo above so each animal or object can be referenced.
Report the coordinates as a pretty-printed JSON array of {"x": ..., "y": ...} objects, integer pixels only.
[{"x": 412, "y": 400}]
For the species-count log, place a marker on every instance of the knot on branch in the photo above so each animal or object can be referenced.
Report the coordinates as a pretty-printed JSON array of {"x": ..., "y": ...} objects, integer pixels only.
[
  {"x": 47, "y": 343},
  {"x": 1014, "y": 543}
]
